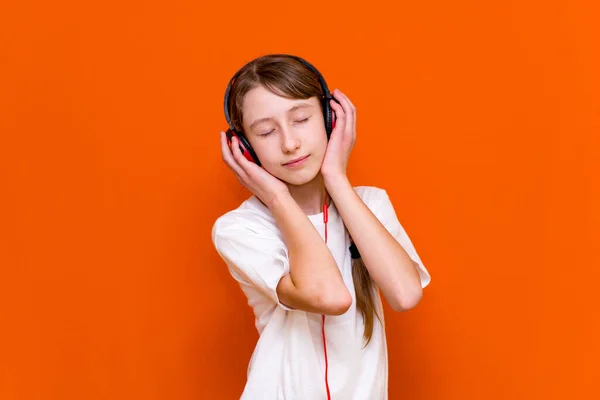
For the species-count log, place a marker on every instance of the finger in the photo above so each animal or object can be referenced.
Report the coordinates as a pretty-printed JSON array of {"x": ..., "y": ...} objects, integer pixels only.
[
  {"x": 238, "y": 172},
  {"x": 226, "y": 149},
  {"x": 345, "y": 101},
  {"x": 246, "y": 165},
  {"x": 340, "y": 117},
  {"x": 228, "y": 156},
  {"x": 348, "y": 116},
  {"x": 348, "y": 109},
  {"x": 226, "y": 152},
  {"x": 353, "y": 107}
]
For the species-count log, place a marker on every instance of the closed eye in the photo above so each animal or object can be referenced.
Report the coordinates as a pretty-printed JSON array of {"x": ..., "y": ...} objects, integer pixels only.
[{"x": 301, "y": 121}]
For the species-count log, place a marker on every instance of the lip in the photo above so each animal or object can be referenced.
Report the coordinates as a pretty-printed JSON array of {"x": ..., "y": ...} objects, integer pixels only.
[{"x": 296, "y": 162}]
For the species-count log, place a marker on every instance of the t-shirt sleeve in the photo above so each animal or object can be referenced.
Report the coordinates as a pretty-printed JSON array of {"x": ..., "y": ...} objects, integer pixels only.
[
  {"x": 254, "y": 254},
  {"x": 384, "y": 211}
]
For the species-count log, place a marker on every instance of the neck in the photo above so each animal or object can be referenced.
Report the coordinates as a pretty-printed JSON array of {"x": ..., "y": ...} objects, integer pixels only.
[{"x": 310, "y": 196}]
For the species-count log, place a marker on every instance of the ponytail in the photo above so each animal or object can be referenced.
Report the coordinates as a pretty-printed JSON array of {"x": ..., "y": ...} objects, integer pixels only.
[{"x": 364, "y": 288}]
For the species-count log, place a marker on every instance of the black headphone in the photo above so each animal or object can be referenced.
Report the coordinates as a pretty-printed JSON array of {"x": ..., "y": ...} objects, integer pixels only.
[{"x": 328, "y": 113}]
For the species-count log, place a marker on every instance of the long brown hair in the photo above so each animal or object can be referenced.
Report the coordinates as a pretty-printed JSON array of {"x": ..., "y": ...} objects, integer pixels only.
[{"x": 287, "y": 77}]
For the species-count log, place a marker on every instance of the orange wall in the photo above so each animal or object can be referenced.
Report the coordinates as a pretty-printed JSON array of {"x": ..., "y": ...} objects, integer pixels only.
[{"x": 481, "y": 121}]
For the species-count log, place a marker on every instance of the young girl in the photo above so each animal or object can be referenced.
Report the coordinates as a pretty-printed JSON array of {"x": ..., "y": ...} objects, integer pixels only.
[{"x": 311, "y": 252}]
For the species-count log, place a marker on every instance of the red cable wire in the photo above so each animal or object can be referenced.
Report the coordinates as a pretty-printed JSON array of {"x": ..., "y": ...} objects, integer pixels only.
[
  {"x": 325, "y": 219},
  {"x": 326, "y": 362}
]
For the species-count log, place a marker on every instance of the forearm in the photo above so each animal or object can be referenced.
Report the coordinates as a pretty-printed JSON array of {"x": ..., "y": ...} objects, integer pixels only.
[
  {"x": 314, "y": 273},
  {"x": 389, "y": 265}
]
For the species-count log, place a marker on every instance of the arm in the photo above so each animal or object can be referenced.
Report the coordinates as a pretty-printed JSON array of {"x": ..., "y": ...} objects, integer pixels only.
[
  {"x": 314, "y": 283},
  {"x": 394, "y": 272},
  {"x": 389, "y": 265}
]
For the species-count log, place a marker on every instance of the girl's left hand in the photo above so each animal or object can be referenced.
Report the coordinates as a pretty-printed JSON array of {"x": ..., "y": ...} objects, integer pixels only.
[{"x": 342, "y": 137}]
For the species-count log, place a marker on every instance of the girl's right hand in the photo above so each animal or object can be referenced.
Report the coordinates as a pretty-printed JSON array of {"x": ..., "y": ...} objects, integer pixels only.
[{"x": 254, "y": 178}]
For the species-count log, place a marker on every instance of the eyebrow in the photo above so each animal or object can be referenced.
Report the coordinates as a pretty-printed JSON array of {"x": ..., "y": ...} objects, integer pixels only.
[{"x": 297, "y": 106}]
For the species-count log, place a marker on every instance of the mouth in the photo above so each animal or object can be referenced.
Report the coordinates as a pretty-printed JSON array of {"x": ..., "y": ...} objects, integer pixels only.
[{"x": 297, "y": 161}]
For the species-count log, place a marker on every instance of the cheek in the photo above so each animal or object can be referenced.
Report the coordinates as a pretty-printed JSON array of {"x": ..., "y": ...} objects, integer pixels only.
[
  {"x": 321, "y": 139},
  {"x": 267, "y": 152},
  {"x": 318, "y": 133}
]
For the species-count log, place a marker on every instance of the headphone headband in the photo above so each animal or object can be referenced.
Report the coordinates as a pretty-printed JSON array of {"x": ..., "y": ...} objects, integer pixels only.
[{"x": 326, "y": 94}]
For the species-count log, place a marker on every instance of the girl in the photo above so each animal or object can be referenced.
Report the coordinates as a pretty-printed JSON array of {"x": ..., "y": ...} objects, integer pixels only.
[{"x": 311, "y": 252}]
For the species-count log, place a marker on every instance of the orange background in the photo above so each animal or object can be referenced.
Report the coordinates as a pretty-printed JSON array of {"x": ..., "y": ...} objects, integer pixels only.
[{"x": 481, "y": 120}]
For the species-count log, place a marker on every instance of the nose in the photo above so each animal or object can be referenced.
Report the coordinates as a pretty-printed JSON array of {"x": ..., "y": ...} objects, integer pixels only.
[{"x": 289, "y": 140}]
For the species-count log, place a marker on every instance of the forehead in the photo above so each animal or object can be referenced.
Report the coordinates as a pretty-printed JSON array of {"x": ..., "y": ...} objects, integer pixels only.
[{"x": 262, "y": 103}]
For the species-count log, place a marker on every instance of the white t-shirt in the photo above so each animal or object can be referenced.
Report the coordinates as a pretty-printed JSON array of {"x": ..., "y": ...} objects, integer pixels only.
[{"x": 288, "y": 362}]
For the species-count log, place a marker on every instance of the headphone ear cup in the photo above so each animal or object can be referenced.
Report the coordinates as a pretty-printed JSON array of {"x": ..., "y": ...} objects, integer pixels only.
[
  {"x": 333, "y": 118},
  {"x": 245, "y": 147},
  {"x": 329, "y": 116}
]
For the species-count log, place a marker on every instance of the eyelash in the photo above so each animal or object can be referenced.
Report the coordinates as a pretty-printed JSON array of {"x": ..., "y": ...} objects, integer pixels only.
[{"x": 299, "y": 122}]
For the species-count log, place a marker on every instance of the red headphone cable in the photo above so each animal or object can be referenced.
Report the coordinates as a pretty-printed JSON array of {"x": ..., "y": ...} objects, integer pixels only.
[{"x": 325, "y": 219}]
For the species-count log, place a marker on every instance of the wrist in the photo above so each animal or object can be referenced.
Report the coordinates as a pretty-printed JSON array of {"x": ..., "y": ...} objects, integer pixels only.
[
  {"x": 336, "y": 181},
  {"x": 277, "y": 200}
]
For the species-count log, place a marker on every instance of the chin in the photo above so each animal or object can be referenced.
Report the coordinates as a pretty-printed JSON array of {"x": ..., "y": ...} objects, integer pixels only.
[{"x": 299, "y": 178}]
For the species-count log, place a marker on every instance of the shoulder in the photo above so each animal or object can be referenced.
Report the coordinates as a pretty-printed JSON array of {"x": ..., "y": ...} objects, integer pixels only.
[
  {"x": 248, "y": 240},
  {"x": 251, "y": 218},
  {"x": 371, "y": 195},
  {"x": 378, "y": 201}
]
